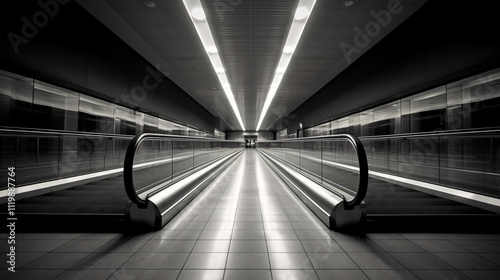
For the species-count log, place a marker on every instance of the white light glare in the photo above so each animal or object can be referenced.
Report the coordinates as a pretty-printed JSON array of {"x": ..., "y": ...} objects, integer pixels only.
[
  {"x": 198, "y": 13},
  {"x": 302, "y": 13},
  {"x": 195, "y": 10},
  {"x": 211, "y": 50},
  {"x": 288, "y": 49}
]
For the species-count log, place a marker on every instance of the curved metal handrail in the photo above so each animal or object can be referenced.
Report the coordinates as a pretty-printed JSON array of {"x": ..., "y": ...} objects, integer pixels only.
[
  {"x": 362, "y": 161},
  {"x": 128, "y": 174}
]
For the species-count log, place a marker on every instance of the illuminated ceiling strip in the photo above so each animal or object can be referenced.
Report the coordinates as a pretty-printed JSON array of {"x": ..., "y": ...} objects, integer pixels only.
[
  {"x": 301, "y": 16},
  {"x": 197, "y": 14}
]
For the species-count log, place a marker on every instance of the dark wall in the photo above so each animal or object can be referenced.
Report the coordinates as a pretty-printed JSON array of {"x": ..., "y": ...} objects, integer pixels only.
[
  {"x": 442, "y": 42},
  {"x": 62, "y": 44}
]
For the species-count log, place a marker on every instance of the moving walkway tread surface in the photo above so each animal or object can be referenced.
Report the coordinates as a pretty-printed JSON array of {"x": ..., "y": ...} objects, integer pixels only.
[
  {"x": 388, "y": 199},
  {"x": 103, "y": 197},
  {"x": 385, "y": 198}
]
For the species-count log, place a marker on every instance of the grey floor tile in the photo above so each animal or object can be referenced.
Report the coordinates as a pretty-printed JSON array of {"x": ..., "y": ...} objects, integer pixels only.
[
  {"x": 479, "y": 246},
  {"x": 186, "y": 225},
  {"x": 224, "y": 211},
  {"x": 359, "y": 246},
  {"x": 375, "y": 261},
  {"x": 384, "y": 236},
  {"x": 331, "y": 261},
  {"x": 441, "y": 245},
  {"x": 275, "y": 218},
  {"x": 248, "y": 234},
  {"x": 249, "y": 246},
  {"x": 420, "y": 261},
  {"x": 216, "y": 234},
  {"x": 122, "y": 245},
  {"x": 466, "y": 261},
  {"x": 219, "y": 225},
  {"x": 156, "y": 261},
  {"x": 241, "y": 274},
  {"x": 211, "y": 246},
  {"x": 53, "y": 235},
  {"x": 21, "y": 259},
  {"x": 85, "y": 274},
  {"x": 56, "y": 261},
  {"x": 247, "y": 261},
  {"x": 290, "y": 261},
  {"x": 281, "y": 246},
  {"x": 411, "y": 235},
  {"x": 148, "y": 234},
  {"x": 248, "y": 218},
  {"x": 81, "y": 245},
  {"x": 321, "y": 246},
  {"x": 34, "y": 274},
  {"x": 398, "y": 246},
  {"x": 248, "y": 225},
  {"x": 273, "y": 211},
  {"x": 280, "y": 234},
  {"x": 98, "y": 235},
  {"x": 386, "y": 274},
  {"x": 222, "y": 218},
  {"x": 337, "y": 235},
  {"x": 178, "y": 234},
  {"x": 206, "y": 261},
  {"x": 277, "y": 225},
  {"x": 28, "y": 246},
  {"x": 133, "y": 274},
  {"x": 312, "y": 234},
  {"x": 103, "y": 261},
  {"x": 344, "y": 274},
  {"x": 30, "y": 235},
  {"x": 482, "y": 274},
  {"x": 301, "y": 217},
  {"x": 249, "y": 211},
  {"x": 198, "y": 217},
  {"x": 168, "y": 246},
  {"x": 439, "y": 274},
  {"x": 288, "y": 274},
  {"x": 201, "y": 275},
  {"x": 492, "y": 257}
]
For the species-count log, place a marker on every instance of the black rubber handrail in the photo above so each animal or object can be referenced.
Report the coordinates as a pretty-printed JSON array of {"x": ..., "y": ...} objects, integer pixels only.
[
  {"x": 362, "y": 162},
  {"x": 128, "y": 166}
]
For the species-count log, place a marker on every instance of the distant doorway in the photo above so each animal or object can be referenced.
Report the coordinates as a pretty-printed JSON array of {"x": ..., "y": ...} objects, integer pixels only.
[{"x": 250, "y": 141}]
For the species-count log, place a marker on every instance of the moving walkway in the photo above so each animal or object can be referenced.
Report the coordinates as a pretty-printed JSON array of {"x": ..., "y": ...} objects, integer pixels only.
[
  {"x": 332, "y": 162},
  {"x": 87, "y": 179}
]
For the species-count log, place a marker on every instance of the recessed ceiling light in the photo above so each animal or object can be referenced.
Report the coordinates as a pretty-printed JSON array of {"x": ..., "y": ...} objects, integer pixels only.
[
  {"x": 198, "y": 13},
  {"x": 220, "y": 70},
  {"x": 348, "y": 3},
  {"x": 150, "y": 4},
  {"x": 301, "y": 13},
  {"x": 212, "y": 49},
  {"x": 288, "y": 49},
  {"x": 195, "y": 9}
]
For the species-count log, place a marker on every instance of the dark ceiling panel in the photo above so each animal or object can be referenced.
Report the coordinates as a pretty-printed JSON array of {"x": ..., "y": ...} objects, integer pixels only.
[{"x": 250, "y": 35}]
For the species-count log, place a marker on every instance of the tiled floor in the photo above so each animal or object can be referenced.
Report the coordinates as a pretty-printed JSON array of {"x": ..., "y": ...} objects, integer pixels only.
[{"x": 248, "y": 225}]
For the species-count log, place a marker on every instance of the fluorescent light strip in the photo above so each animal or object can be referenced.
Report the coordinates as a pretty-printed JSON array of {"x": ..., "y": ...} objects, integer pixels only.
[
  {"x": 198, "y": 17},
  {"x": 304, "y": 9}
]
